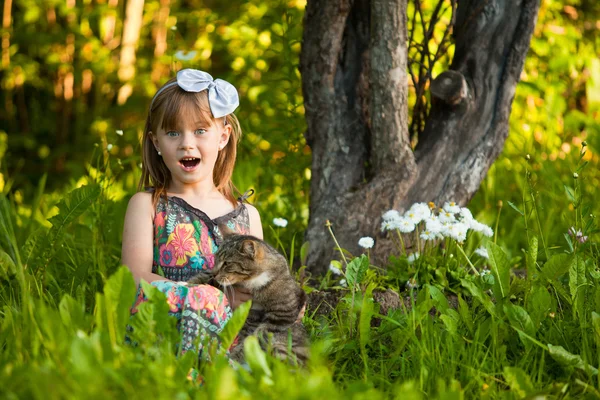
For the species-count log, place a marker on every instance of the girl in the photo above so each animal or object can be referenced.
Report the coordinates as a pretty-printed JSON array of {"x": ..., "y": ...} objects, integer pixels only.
[{"x": 189, "y": 149}]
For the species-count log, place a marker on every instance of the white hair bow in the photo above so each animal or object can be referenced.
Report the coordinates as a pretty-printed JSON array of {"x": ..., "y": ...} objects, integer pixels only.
[{"x": 222, "y": 96}]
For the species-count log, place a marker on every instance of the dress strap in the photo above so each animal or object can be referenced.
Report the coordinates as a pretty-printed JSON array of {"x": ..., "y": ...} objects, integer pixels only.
[{"x": 247, "y": 193}]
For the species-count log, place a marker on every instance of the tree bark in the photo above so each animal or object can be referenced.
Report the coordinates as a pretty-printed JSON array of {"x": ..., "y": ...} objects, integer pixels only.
[{"x": 353, "y": 65}]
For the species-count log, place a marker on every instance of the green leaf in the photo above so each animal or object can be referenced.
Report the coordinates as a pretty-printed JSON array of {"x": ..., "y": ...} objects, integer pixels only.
[
  {"x": 532, "y": 257},
  {"x": 570, "y": 193},
  {"x": 568, "y": 360},
  {"x": 556, "y": 266},
  {"x": 500, "y": 268},
  {"x": 356, "y": 270},
  {"x": 257, "y": 360},
  {"x": 119, "y": 295},
  {"x": 539, "y": 303},
  {"x": 576, "y": 275},
  {"x": 364, "y": 322},
  {"x": 72, "y": 314},
  {"x": 304, "y": 252},
  {"x": 519, "y": 381},
  {"x": 71, "y": 207},
  {"x": 596, "y": 323},
  {"x": 235, "y": 324},
  {"x": 451, "y": 319},
  {"x": 519, "y": 319},
  {"x": 439, "y": 300},
  {"x": 7, "y": 265},
  {"x": 483, "y": 298},
  {"x": 516, "y": 209},
  {"x": 465, "y": 314}
]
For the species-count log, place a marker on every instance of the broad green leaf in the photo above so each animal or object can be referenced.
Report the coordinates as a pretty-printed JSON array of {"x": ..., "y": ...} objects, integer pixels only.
[
  {"x": 257, "y": 360},
  {"x": 451, "y": 319},
  {"x": 539, "y": 303},
  {"x": 483, "y": 298},
  {"x": 519, "y": 381},
  {"x": 532, "y": 258},
  {"x": 235, "y": 324},
  {"x": 556, "y": 266},
  {"x": 439, "y": 300},
  {"x": 568, "y": 360},
  {"x": 356, "y": 270},
  {"x": 576, "y": 275},
  {"x": 465, "y": 314},
  {"x": 119, "y": 294},
  {"x": 72, "y": 314},
  {"x": 519, "y": 319},
  {"x": 501, "y": 270}
]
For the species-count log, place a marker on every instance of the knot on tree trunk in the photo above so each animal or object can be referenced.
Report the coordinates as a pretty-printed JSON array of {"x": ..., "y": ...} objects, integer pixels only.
[{"x": 450, "y": 87}]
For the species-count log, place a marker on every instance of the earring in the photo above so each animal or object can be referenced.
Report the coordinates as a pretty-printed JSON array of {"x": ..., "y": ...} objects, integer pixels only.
[{"x": 159, "y": 153}]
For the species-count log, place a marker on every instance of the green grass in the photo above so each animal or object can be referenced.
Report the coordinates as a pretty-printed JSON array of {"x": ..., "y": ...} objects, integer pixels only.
[{"x": 65, "y": 305}]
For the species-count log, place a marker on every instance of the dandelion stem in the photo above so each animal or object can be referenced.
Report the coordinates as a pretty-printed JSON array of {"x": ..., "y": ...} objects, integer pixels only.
[
  {"x": 401, "y": 241},
  {"x": 459, "y": 247},
  {"x": 328, "y": 225},
  {"x": 418, "y": 244}
]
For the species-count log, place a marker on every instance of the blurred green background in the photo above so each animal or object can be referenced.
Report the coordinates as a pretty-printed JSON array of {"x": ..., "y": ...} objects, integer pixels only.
[{"x": 76, "y": 74}]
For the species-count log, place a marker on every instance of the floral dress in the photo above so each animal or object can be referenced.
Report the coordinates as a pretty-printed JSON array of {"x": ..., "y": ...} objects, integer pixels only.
[{"x": 185, "y": 242}]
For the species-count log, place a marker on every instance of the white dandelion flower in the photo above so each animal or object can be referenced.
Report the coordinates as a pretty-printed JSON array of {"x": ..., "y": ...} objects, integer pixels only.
[
  {"x": 451, "y": 207},
  {"x": 428, "y": 235},
  {"x": 433, "y": 225},
  {"x": 183, "y": 56},
  {"x": 482, "y": 228},
  {"x": 482, "y": 252},
  {"x": 466, "y": 215},
  {"x": 343, "y": 283},
  {"x": 119, "y": 132},
  {"x": 280, "y": 222},
  {"x": 405, "y": 225},
  {"x": 390, "y": 215},
  {"x": 422, "y": 210},
  {"x": 334, "y": 269},
  {"x": 109, "y": 147},
  {"x": 446, "y": 217},
  {"x": 366, "y": 242},
  {"x": 412, "y": 257}
]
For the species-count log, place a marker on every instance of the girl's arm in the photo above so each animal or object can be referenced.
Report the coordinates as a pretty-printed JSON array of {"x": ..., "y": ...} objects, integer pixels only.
[
  {"x": 137, "y": 250},
  {"x": 255, "y": 224}
]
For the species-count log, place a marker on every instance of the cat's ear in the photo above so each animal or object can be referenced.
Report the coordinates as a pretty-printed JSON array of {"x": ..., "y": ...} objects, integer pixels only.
[{"x": 250, "y": 249}]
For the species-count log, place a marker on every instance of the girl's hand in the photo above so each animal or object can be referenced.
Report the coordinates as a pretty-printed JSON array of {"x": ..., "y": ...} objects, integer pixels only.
[{"x": 237, "y": 296}]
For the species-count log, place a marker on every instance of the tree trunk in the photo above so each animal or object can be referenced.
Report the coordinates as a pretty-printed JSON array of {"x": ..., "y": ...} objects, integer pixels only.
[
  {"x": 131, "y": 34},
  {"x": 353, "y": 65}
]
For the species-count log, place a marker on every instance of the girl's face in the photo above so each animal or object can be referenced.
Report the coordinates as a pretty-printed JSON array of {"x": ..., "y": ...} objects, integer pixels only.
[{"x": 190, "y": 151}]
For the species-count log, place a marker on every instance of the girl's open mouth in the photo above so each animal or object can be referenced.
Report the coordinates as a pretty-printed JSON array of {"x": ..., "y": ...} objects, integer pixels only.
[{"x": 189, "y": 163}]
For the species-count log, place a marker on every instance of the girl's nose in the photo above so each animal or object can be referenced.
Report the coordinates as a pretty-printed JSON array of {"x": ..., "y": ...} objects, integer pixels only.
[{"x": 187, "y": 140}]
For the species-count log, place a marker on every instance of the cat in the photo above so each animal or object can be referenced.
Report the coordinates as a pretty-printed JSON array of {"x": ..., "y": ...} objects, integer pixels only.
[{"x": 247, "y": 262}]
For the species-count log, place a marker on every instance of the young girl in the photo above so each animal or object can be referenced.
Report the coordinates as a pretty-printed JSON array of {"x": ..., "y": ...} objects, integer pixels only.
[{"x": 189, "y": 150}]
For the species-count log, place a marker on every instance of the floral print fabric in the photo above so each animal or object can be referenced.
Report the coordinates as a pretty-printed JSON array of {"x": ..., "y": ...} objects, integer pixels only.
[{"x": 185, "y": 241}]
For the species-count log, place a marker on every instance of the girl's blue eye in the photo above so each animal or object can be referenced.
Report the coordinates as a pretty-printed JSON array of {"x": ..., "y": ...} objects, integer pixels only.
[
  {"x": 172, "y": 134},
  {"x": 200, "y": 131}
]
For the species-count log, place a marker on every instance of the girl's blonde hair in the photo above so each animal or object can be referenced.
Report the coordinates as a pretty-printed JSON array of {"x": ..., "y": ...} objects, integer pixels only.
[{"x": 168, "y": 107}]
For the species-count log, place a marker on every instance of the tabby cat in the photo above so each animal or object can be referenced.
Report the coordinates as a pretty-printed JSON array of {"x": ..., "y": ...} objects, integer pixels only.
[{"x": 248, "y": 262}]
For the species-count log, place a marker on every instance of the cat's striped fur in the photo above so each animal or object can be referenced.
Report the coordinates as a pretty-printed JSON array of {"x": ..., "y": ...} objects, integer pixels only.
[{"x": 277, "y": 299}]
